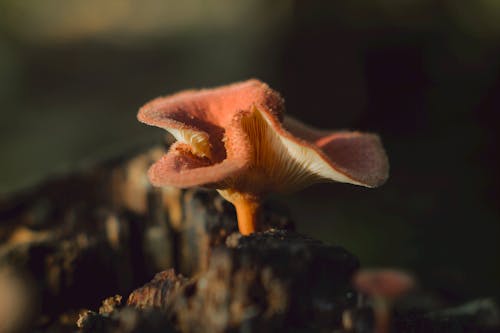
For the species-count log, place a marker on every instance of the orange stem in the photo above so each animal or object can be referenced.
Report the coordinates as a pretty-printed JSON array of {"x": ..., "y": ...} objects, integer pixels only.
[
  {"x": 382, "y": 316},
  {"x": 248, "y": 213}
]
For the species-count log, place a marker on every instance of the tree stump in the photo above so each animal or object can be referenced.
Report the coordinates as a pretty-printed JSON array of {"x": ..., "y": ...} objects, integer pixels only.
[{"x": 73, "y": 241}]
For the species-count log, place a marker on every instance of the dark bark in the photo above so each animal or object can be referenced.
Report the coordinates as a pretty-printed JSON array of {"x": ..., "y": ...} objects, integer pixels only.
[
  {"x": 73, "y": 241},
  {"x": 268, "y": 282}
]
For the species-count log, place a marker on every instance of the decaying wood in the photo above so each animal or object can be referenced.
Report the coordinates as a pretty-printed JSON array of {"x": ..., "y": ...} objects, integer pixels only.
[
  {"x": 267, "y": 282},
  {"x": 207, "y": 222},
  {"x": 157, "y": 292},
  {"x": 74, "y": 241},
  {"x": 105, "y": 231},
  {"x": 126, "y": 320},
  {"x": 86, "y": 235}
]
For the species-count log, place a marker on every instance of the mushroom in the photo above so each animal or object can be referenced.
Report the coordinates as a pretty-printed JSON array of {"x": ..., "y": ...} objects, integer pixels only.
[
  {"x": 384, "y": 286},
  {"x": 236, "y": 139}
]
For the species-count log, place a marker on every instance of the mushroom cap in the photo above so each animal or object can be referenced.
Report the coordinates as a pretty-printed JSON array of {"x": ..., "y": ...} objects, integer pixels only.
[
  {"x": 387, "y": 283},
  {"x": 236, "y": 136}
]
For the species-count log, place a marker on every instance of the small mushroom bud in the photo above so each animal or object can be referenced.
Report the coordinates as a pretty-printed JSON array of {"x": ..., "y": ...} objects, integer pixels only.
[
  {"x": 384, "y": 286},
  {"x": 237, "y": 140}
]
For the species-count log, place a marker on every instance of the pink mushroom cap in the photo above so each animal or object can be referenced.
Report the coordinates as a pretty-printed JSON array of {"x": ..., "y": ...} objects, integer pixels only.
[
  {"x": 237, "y": 136},
  {"x": 387, "y": 283}
]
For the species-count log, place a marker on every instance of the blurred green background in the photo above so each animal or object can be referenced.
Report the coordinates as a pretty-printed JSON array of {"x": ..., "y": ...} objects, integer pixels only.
[{"x": 424, "y": 74}]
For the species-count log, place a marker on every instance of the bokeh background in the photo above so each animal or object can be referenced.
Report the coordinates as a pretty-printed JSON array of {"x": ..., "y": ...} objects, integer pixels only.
[{"x": 424, "y": 74}]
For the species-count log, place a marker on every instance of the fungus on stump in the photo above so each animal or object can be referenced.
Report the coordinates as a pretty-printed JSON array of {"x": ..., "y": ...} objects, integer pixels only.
[
  {"x": 237, "y": 140},
  {"x": 384, "y": 286}
]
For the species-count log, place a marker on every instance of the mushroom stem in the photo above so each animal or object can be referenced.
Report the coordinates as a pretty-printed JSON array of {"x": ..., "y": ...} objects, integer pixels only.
[
  {"x": 247, "y": 211},
  {"x": 382, "y": 310}
]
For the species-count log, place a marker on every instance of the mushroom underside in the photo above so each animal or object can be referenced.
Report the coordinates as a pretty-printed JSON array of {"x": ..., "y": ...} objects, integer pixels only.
[{"x": 271, "y": 158}]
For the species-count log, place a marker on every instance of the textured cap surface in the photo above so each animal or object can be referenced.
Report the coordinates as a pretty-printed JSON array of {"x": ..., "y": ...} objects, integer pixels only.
[{"x": 236, "y": 136}]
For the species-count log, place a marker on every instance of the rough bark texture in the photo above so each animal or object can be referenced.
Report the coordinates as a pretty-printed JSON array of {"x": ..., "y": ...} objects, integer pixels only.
[
  {"x": 268, "y": 282},
  {"x": 156, "y": 293},
  {"x": 76, "y": 240},
  {"x": 87, "y": 235},
  {"x": 104, "y": 231}
]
